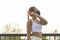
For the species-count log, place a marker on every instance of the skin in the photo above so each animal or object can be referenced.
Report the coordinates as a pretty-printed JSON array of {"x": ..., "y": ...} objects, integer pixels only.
[{"x": 29, "y": 24}]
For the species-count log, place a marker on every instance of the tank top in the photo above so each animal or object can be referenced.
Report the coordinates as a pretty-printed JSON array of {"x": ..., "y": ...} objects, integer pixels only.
[{"x": 36, "y": 27}]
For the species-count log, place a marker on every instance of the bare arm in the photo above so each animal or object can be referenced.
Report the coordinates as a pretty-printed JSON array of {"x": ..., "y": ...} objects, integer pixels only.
[
  {"x": 42, "y": 20},
  {"x": 29, "y": 27}
]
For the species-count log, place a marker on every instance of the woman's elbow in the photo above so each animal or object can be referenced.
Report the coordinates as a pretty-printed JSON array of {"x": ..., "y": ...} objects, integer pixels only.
[{"x": 44, "y": 23}]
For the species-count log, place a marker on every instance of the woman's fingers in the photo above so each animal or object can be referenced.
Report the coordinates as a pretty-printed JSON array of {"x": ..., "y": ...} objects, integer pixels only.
[{"x": 33, "y": 13}]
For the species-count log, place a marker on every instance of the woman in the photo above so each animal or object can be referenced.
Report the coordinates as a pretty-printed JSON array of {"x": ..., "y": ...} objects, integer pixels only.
[{"x": 34, "y": 26}]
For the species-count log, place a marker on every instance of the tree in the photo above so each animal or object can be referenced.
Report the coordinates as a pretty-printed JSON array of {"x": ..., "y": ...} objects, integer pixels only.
[{"x": 8, "y": 30}]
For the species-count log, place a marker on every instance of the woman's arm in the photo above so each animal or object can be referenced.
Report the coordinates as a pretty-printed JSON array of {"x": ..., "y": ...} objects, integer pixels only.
[
  {"x": 29, "y": 27},
  {"x": 42, "y": 20}
]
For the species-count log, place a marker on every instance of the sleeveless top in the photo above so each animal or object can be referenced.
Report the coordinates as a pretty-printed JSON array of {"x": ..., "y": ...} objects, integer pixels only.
[{"x": 36, "y": 27}]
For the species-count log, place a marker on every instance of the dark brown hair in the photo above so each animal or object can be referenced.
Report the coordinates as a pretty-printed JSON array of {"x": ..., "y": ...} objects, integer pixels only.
[{"x": 34, "y": 9}]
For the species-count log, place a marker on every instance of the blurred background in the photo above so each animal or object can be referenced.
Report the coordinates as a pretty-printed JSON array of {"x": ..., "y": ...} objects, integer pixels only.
[{"x": 14, "y": 14}]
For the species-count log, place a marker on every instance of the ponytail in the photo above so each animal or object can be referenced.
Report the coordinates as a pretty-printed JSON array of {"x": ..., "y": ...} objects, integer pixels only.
[{"x": 28, "y": 16}]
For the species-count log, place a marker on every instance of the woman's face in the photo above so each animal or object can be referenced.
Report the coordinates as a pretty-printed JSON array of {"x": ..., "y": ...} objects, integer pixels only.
[{"x": 32, "y": 14}]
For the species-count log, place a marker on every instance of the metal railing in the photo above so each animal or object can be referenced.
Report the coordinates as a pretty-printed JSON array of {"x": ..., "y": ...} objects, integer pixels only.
[{"x": 24, "y": 36}]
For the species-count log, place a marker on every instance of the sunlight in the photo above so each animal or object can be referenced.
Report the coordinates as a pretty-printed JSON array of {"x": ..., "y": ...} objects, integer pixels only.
[{"x": 15, "y": 11}]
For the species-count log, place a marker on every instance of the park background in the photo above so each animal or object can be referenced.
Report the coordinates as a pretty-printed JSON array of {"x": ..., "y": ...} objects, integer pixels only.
[{"x": 13, "y": 15}]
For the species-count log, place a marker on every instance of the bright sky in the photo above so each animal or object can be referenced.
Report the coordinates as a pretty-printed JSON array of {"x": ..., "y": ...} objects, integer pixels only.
[{"x": 14, "y": 11}]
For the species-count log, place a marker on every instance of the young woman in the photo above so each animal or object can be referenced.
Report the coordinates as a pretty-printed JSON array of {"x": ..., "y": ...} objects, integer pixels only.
[{"x": 34, "y": 26}]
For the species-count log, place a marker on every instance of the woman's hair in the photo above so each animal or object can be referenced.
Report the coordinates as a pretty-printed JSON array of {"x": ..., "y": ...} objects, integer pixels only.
[{"x": 34, "y": 9}]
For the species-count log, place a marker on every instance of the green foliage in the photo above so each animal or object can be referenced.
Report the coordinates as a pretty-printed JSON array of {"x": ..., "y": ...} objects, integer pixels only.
[
  {"x": 8, "y": 30},
  {"x": 11, "y": 38},
  {"x": 44, "y": 38}
]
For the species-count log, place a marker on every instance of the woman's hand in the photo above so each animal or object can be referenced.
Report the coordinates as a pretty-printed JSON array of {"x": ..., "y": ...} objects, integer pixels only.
[
  {"x": 33, "y": 13},
  {"x": 42, "y": 20}
]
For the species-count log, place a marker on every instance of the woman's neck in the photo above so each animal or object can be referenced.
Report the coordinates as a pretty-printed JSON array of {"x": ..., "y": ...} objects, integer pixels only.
[{"x": 34, "y": 18}]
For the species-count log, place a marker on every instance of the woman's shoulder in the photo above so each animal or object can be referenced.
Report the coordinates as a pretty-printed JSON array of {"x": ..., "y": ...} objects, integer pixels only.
[
  {"x": 29, "y": 23},
  {"x": 29, "y": 20}
]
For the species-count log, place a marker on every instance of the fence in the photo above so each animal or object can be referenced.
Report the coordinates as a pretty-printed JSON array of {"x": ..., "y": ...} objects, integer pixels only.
[{"x": 24, "y": 36}]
